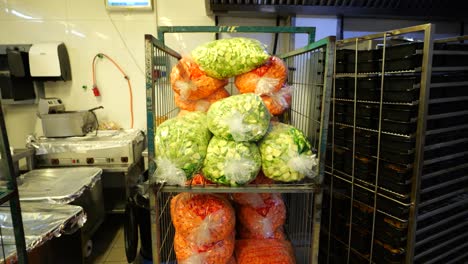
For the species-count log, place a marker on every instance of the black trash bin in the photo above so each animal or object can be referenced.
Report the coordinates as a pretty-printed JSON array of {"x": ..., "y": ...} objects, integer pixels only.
[{"x": 137, "y": 217}]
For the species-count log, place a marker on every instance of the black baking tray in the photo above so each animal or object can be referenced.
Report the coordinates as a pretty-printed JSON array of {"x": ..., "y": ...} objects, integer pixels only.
[
  {"x": 386, "y": 254},
  {"x": 441, "y": 92},
  {"x": 444, "y": 151},
  {"x": 396, "y": 89},
  {"x": 388, "y": 230},
  {"x": 446, "y": 122},
  {"x": 442, "y": 108},
  {"x": 403, "y": 113}
]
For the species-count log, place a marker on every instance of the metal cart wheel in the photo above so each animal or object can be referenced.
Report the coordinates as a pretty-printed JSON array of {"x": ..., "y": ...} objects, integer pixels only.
[
  {"x": 130, "y": 232},
  {"x": 88, "y": 248}
]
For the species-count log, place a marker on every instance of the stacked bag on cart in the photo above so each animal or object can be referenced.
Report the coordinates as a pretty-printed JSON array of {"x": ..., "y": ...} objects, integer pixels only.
[
  {"x": 231, "y": 144},
  {"x": 204, "y": 228}
]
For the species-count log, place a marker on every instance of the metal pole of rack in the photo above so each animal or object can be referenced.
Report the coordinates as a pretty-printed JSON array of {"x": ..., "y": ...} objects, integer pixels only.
[
  {"x": 426, "y": 71},
  {"x": 11, "y": 193},
  {"x": 329, "y": 60}
]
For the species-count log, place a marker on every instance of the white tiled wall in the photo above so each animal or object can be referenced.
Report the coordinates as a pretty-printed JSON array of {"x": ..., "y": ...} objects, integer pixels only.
[{"x": 86, "y": 28}]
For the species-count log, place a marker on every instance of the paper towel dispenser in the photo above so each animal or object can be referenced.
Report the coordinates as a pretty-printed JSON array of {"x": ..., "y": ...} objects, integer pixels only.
[{"x": 49, "y": 62}]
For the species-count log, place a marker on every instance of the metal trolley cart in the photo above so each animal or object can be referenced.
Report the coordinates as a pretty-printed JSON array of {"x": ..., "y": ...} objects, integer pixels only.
[
  {"x": 309, "y": 72},
  {"x": 395, "y": 183}
]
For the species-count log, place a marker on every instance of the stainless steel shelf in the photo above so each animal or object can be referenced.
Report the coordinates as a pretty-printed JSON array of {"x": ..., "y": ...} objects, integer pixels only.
[
  {"x": 449, "y": 69},
  {"x": 447, "y": 84},
  {"x": 445, "y": 144},
  {"x": 260, "y": 188},
  {"x": 445, "y": 158},
  {"x": 445, "y": 184},
  {"x": 442, "y": 197},
  {"x": 449, "y": 52},
  {"x": 378, "y": 74},
  {"x": 443, "y": 171},
  {"x": 375, "y": 102},
  {"x": 444, "y": 130},
  {"x": 441, "y": 245},
  {"x": 441, "y": 210},
  {"x": 375, "y": 131},
  {"x": 447, "y": 254},
  {"x": 448, "y": 100},
  {"x": 447, "y": 115},
  {"x": 462, "y": 214},
  {"x": 440, "y": 234}
]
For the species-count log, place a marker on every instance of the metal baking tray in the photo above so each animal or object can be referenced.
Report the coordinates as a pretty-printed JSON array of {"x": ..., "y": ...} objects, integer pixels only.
[{"x": 59, "y": 185}]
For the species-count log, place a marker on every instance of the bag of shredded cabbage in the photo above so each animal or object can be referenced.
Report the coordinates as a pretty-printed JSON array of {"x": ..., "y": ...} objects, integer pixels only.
[
  {"x": 240, "y": 118},
  {"x": 181, "y": 145},
  {"x": 227, "y": 58},
  {"x": 286, "y": 154},
  {"x": 265, "y": 79},
  {"x": 231, "y": 163},
  {"x": 191, "y": 83}
]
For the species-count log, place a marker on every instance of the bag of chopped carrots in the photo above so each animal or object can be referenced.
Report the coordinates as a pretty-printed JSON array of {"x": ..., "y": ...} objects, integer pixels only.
[
  {"x": 191, "y": 83},
  {"x": 265, "y": 217},
  {"x": 201, "y": 104},
  {"x": 264, "y": 251},
  {"x": 279, "y": 101},
  {"x": 265, "y": 79},
  {"x": 245, "y": 233},
  {"x": 217, "y": 252},
  {"x": 202, "y": 218}
]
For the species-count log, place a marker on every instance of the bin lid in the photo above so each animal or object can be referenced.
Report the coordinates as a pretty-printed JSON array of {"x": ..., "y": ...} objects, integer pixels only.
[
  {"x": 41, "y": 222},
  {"x": 57, "y": 185}
]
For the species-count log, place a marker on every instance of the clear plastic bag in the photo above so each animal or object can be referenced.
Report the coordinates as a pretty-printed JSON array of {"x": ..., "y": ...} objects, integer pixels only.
[
  {"x": 266, "y": 79},
  {"x": 278, "y": 102},
  {"x": 189, "y": 82},
  {"x": 263, "y": 220},
  {"x": 181, "y": 145},
  {"x": 240, "y": 118},
  {"x": 245, "y": 233},
  {"x": 202, "y": 218},
  {"x": 264, "y": 251},
  {"x": 227, "y": 58},
  {"x": 231, "y": 163},
  {"x": 286, "y": 154},
  {"x": 218, "y": 252},
  {"x": 201, "y": 104}
]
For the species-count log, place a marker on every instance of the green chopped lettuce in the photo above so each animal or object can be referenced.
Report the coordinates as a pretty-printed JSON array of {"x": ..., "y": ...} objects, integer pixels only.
[
  {"x": 181, "y": 145},
  {"x": 227, "y": 58},
  {"x": 231, "y": 163},
  {"x": 240, "y": 118},
  {"x": 286, "y": 154}
]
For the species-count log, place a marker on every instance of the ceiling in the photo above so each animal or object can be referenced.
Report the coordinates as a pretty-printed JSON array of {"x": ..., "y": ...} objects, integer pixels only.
[{"x": 421, "y": 9}]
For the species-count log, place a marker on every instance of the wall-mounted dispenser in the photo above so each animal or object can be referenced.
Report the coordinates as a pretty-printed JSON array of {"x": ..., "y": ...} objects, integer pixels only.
[
  {"x": 49, "y": 62},
  {"x": 25, "y": 68}
]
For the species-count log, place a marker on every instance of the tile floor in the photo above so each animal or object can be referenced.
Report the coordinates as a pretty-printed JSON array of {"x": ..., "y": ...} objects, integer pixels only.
[{"x": 108, "y": 242}]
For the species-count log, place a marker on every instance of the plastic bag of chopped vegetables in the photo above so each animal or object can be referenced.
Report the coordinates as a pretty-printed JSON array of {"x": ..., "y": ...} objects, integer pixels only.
[
  {"x": 265, "y": 219},
  {"x": 265, "y": 79},
  {"x": 245, "y": 233},
  {"x": 181, "y": 145},
  {"x": 227, "y": 58},
  {"x": 264, "y": 251},
  {"x": 202, "y": 218},
  {"x": 191, "y": 83},
  {"x": 218, "y": 252},
  {"x": 286, "y": 154},
  {"x": 230, "y": 162},
  {"x": 202, "y": 104},
  {"x": 279, "y": 101},
  {"x": 240, "y": 118}
]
